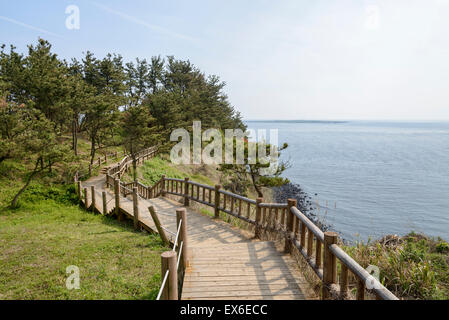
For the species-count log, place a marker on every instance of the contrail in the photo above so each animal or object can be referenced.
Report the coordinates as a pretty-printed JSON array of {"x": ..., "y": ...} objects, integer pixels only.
[
  {"x": 143, "y": 23},
  {"x": 29, "y": 26}
]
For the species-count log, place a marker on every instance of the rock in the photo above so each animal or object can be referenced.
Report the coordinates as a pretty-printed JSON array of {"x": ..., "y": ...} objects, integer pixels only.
[{"x": 294, "y": 191}]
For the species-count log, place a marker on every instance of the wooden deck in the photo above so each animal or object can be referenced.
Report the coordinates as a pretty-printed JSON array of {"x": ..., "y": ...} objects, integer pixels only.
[{"x": 226, "y": 263}]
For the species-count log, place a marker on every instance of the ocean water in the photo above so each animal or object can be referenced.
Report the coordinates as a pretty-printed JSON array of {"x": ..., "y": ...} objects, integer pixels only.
[{"x": 370, "y": 179}]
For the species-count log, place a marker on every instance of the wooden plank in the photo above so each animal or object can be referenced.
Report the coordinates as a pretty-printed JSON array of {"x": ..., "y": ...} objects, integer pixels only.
[
  {"x": 243, "y": 282},
  {"x": 257, "y": 297},
  {"x": 274, "y": 288},
  {"x": 241, "y": 293}
]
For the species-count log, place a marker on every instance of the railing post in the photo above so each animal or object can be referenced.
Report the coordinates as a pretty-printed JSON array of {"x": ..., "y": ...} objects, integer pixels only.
[
  {"x": 344, "y": 281},
  {"x": 158, "y": 226},
  {"x": 258, "y": 228},
  {"x": 360, "y": 290},
  {"x": 163, "y": 185},
  {"x": 303, "y": 233},
  {"x": 79, "y": 190},
  {"x": 168, "y": 262},
  {"x": 217, "y": 201},
  {"x": 92, "y": 191},
  {"x": 85, "y": 198},
  {"x": 181, "y": 214},
  {"x": 309, "y": 242},
  {"x": 105, "y": 205},
  {"x": 329, "y": 264},
  {"x": 135, "y": 209},
  {"x": 117, "y": 198},
  {"x": 186, "y": 192},
  {"x": 290, "y": 221}
]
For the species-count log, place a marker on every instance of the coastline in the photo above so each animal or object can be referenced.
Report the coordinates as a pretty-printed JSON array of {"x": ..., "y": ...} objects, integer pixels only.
[{"x": 304, "y": 202}]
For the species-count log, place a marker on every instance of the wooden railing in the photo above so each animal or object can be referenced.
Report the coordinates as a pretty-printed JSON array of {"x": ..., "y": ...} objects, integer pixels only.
[
  {"x": 326, "y": 268},
  {"x": 124, "y": 165},
  {"x": 87, "y": 172},
  {"x": 320, "y": 250}
]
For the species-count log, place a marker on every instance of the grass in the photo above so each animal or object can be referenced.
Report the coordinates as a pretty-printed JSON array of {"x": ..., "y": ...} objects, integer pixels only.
[
  {"x": 415, "y": 267},
  {"x": 153, "y": 169},
  {"x": 49, "y": 232}
]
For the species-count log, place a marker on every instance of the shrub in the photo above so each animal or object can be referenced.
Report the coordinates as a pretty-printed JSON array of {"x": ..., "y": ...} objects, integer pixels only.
[{"x": 442, "y": 247}]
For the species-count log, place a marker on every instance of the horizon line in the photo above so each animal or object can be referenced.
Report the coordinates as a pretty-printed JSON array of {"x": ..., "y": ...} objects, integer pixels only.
[{"x": 350, "y": 120}]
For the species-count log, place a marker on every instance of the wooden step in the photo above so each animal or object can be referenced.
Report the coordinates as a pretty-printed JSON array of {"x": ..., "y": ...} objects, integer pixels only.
[
  {"x": 223, "y": 281},
  {"x": 254, "y": 297},
  {"x": 242, "y": 293}
]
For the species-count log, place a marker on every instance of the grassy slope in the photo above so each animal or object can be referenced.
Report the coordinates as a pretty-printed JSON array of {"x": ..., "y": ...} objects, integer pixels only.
[
  {"x": 49, "y": 232},
  {"x": 415, "y": 268},
  {"x": 152, "y": 170}
]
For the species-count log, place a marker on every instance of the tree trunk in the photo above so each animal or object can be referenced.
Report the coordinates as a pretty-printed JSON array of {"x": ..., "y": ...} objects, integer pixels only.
[
  {"x": 134, "y": 168},
  {"x": 14, "y": 201},
  {"x": 258, "y": 190},
  {"x": 133, "y": 155},
  {"x": 92, "y": 150},
  {"x": 75, "y": 137}
]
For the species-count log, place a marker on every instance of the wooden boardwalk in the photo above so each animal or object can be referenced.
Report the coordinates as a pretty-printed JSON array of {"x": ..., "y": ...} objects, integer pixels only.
[{"x": 225, "y": 262}]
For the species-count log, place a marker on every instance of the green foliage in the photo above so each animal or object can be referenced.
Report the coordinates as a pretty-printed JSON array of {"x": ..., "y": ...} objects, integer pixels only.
[
  {"x": 135, "y": 105},
  {"x": 62, "y": 194},
  {"x": 154, "y": 169},
  {"x": 254, "y": 171},
  {"x": 442, "y": 247},
  {"x": 414, "y": 268}
]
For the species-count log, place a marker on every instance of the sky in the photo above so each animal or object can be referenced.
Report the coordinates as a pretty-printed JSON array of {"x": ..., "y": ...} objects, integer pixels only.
[{"x": 283, "y": 60}]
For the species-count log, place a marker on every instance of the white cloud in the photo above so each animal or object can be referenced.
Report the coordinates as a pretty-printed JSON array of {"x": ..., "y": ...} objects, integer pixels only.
[
  {"x": 29, "y": 26},
  {"x": 152, "y": 27}
]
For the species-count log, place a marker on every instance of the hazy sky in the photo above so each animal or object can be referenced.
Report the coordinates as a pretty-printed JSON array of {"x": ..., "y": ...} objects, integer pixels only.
[{"x": 314, "y": 59}]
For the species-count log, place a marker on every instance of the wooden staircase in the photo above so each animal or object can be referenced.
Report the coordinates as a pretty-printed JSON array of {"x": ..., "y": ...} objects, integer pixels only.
[{"x": 104, "y": 170}]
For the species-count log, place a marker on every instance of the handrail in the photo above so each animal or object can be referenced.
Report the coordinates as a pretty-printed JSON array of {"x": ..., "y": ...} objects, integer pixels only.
[
  {"x": 361, "y": 273},
  {"x": 123, "y": 164},
  {"x": 237, "y": 196},
  {"x": 163, "y": 285},
  {"x": 177, "y": 235},
  {"x": 232, "y": 204},
  {"x": 309, "y": 224},
  {"x": 179, "y": 254},
  {"x": 193, "y": 183},
  {"x": 273, "y": 205},
  {"x": 172, "y": 260},
  {"x": 331, "y": 250}
]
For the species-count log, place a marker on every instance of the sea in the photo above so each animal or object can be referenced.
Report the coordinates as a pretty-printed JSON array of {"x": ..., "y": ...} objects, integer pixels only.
[{"x": 368, "y": 179}]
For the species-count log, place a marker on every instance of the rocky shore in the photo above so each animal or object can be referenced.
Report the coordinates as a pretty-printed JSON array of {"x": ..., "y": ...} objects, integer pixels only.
[{"x": 305, "y": 205}]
